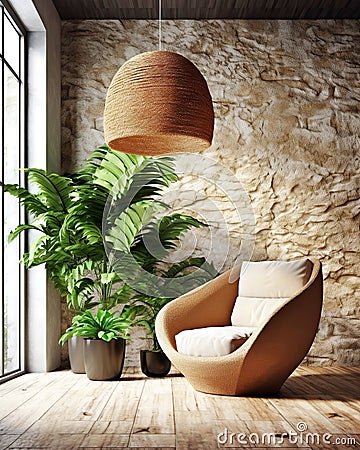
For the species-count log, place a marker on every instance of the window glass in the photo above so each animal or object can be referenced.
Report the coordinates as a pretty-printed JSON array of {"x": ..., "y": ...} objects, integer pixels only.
[
  {"x": 12, "y": 159},
  {"x": 11, "y": 44}
]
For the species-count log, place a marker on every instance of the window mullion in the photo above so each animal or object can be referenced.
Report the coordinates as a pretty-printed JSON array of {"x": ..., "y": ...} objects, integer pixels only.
[
  {"x": 18, "y": 77},
  {"x": 22, "y": 214},
  {"x": 2, "y": 303}
]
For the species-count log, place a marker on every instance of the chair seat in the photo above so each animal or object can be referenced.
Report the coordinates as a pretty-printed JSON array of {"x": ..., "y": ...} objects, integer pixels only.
[{"x": 212, "y": 341}]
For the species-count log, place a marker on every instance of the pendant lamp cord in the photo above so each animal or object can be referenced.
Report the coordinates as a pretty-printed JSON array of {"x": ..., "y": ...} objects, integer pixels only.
[{"x": 160, "y": 46}]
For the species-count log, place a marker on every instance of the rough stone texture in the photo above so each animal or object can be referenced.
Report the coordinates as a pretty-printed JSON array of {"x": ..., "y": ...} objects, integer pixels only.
[{"x": 286, "y": 97}]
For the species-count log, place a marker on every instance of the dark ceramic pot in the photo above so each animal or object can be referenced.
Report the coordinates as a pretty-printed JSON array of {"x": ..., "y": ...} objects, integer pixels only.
[
  {"x": 104, "y": 360},
  {"x": 76, "y": 354},
  {"x": 154, "y": 364}
]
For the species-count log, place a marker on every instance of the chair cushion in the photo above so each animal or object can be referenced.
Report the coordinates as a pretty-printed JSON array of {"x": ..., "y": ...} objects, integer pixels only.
[
  {"x": 266, "y": 285},
  {"x": 212, "y": 341},
  {"x": 273, "y": 279}
]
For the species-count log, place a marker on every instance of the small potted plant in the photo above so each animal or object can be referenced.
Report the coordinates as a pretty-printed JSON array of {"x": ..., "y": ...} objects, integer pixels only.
[
  {"x": 153, "y": 362},
  {"x": 104, "y": 336},
  {"x": 143, "y": 309}
]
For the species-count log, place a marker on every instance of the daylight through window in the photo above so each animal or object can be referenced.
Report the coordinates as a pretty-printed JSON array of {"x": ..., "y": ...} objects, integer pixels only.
[{"x": 12, "y": 140}]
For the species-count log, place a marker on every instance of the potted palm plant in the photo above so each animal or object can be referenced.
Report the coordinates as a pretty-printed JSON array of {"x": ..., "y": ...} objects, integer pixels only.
[{"x": 66, "y": 262}]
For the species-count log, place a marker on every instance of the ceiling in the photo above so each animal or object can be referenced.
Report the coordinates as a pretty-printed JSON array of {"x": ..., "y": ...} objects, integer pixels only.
[{"x": 208, "y": 9}]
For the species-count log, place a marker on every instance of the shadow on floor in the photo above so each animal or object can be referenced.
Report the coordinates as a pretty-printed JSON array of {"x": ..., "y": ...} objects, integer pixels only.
[
  {"x": 312, "y": 386},
  {"x": 140, "y": 376},
  {"x": 322, "y": 386}
]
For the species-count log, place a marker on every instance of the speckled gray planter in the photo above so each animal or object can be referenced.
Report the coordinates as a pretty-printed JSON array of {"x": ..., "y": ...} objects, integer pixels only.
[{"x": 104, "y": 360}]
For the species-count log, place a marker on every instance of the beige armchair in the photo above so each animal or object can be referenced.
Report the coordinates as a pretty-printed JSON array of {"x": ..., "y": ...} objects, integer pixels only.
[{"x": 265, "y": 360}]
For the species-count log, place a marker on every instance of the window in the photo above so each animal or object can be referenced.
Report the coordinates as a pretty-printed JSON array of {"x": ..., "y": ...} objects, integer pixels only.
[{"x": 12, "y": 158}]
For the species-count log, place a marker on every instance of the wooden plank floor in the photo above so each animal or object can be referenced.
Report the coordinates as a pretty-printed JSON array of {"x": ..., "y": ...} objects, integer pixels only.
[{"x": 65, "y": 411}]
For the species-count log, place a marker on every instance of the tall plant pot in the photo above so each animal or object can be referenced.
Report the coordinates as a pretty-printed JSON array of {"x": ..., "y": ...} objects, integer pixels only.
[
  {"x": 76, "y": 354},
  {"x": 154, "y": 364},
  {"x": 104, "y": 360}
]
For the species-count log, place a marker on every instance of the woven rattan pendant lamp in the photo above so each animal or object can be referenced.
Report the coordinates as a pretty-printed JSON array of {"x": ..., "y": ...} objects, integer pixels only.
[{"x": 158, "y": 102}]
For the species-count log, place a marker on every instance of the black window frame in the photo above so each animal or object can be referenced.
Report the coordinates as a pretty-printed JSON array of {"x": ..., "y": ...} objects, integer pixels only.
[{"x": 7, "y": 12}]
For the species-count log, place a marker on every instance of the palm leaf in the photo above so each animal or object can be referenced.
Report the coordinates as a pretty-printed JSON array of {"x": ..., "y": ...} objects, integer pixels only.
[
  {"x": 51, "y": 221},
  {"x": 120, "y": 296},
  {"x": 54, "y": 190},
  {"x": 125, "y": 162},
  {"x": 176, "y": 269},
  {"x": 123, "y": 174},
  {"x": 31, "y": 202},
  {"x": 145, "y": 181},
  {"x": 37, "y": 251},
  {"x": 80, "y": 229},
  {"x": 89, "y": 200},
  {"x": 20, "y": 228},
  {"x": 169, "y": 229},
  {"x": 110, "y": 167},
  {"x": 159, "y": 236},
  {"x": 122, "y": 234}
]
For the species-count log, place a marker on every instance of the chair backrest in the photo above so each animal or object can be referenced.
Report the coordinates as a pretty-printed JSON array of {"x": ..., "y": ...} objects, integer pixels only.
[{"x": 266, "y": 285}]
